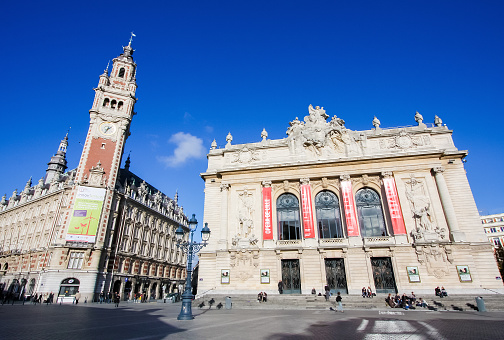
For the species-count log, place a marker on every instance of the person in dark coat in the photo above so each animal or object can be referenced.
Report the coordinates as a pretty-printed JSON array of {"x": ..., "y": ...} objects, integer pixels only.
[
  {"x": 280, "y": 287},
  {"x": 117, "y": 299}
]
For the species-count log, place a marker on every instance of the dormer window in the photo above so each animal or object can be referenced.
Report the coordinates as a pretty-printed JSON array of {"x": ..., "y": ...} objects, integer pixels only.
[
  {"x": 106, "y": 102},
  {"x": 121, "y": 72}
]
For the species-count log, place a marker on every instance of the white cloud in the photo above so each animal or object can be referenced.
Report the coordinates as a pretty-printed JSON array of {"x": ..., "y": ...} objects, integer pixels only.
[{"x": 188, "y": 146}]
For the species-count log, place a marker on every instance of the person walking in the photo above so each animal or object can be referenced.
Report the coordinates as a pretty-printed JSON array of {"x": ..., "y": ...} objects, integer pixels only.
[
  {"x": 117, "y": 299},
  {"x": 280, "y": 287},
  {"x": 338, "y": 300},
  {"x": 77, "y": 297},
  {"x": 327, "y": 292},
  {"x": 102, "y": 296}
]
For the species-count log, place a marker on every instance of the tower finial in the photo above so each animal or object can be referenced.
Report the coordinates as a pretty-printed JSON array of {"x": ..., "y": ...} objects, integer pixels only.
[
  {"x": 106, "y": 70},
  {"x": 131, "y": 38},
  {"x": 127, "y": 163}
]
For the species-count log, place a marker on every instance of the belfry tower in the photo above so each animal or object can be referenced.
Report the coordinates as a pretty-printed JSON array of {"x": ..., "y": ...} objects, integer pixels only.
[
  {"x": 110, "y": 119},
  {"x": 96, "y": 176}
]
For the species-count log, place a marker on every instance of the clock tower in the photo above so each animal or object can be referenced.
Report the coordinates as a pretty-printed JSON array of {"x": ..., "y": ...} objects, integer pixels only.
[{"x": 110, "y": 119}]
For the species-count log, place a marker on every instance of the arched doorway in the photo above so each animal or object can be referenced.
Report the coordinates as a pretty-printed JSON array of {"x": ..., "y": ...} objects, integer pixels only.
[
  {"x": 153, "y": 292},
  {"x": 117, "y": 286},
  {"x": 127, "y": 290},
  {"x": 68, "y": 288}
]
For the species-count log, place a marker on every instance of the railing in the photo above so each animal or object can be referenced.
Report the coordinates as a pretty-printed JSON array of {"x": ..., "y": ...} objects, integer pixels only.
[
  {"x": 288, "y": 242},
  {"x": 378, "y": 240}
]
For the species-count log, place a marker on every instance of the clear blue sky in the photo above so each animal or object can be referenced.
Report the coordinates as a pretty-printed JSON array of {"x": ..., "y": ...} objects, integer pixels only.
[{"x": 209, "y": 67}]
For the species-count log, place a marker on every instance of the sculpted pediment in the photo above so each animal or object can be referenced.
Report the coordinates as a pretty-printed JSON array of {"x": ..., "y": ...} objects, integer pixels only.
[{"x": 322, "y": 138}]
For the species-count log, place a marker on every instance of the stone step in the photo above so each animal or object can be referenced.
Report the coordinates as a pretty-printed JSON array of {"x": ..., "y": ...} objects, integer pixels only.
[{"x": 453, "y": 302}]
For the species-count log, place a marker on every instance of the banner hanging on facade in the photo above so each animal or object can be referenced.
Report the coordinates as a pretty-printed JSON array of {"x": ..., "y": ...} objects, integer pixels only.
[
  {"x": 86, "y": 214},
  {"x": 306, "y": 202},
  {"x": 394, "y": 206},
  {"x": 349, "y": 206},
  {"x": 267, "y": 229}
]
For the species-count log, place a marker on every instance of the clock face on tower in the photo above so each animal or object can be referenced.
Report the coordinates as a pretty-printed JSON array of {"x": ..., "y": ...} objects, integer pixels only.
[{"x": 107, "y": 128}]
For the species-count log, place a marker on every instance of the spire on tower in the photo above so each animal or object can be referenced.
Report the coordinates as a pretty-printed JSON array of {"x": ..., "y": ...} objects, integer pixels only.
[
  {"x": 127, "y": 163},
  {"x": 131, "y": 38},
  {"x": 58, "y": 164}
]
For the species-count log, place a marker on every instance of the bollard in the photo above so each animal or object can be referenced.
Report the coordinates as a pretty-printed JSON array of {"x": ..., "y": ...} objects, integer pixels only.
[
  {"x": 229, "y": 304},
  {"x": 480, "y": 303}
]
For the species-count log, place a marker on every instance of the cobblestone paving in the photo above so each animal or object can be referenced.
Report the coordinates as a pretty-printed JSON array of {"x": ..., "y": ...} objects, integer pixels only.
[{"x": 159, "y": 321}]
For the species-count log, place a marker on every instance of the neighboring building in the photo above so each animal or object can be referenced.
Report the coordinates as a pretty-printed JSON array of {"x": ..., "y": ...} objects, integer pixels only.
[
  {"x": 387, "y": 208},
  {"x": 494, "y": 228},
  {"x": 98, "y": 227}
]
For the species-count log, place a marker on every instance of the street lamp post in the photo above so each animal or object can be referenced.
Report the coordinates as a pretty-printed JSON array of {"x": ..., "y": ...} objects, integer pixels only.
[{"x": 191, "y": 248}]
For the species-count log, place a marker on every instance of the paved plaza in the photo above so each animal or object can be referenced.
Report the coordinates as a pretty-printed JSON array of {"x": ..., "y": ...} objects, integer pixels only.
[{"x": 159, "y": 321}]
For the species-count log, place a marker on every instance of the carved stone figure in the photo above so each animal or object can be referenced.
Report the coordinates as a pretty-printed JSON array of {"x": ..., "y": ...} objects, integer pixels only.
[
  {"x": 420, "y": 204},
  {"x": 319, "y": 136},
  {"x": 264, "y": 134},
  {"x": 438, "y": 121},
  {"x": 245, "y": 213},
  {"x": 376, "y": 123}
]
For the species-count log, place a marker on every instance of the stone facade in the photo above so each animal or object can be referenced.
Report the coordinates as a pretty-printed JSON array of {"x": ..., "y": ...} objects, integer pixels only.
[
  {"x": 391, "y": 209},
  {"x": 133, "y": 249},
  {"x": 493, "y": 225}
]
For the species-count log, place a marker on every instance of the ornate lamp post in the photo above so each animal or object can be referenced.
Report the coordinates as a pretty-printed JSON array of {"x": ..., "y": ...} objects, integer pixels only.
[{"x": 191, "y": 248}]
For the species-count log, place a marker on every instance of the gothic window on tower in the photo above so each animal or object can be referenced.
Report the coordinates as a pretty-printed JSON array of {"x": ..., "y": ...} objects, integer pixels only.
[
  {"x": 370, "y": 213},
  {"x": 289, "y": 225},
  {"x": 121, "y": 72},
  {"x": 119, "y": 105},
  {"x": 113, "y": 104},
  {"x": 328, "y": 215},
  {"x": 106, "y": 102}
]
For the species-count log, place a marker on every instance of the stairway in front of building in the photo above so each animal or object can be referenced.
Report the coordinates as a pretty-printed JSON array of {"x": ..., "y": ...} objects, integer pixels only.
[{"x": 297, "y": 301}]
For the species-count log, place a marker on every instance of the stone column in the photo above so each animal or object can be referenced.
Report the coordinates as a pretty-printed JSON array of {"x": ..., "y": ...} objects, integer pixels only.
[
  {"x": 224, "y": 216},
  {"x": 446, "y": 202}
]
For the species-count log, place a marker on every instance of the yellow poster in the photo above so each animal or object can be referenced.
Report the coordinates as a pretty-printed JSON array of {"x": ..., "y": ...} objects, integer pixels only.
[{"x": 86, "y": 214}]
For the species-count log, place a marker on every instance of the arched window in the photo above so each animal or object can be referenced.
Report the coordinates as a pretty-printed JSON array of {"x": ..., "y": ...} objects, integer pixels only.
[
  {"x": 113, "y": 104},
  {"x": 106, "y": 102},
  {"x": 370, "y": 213},
  {"x": 289, "y": 226},
  {"x": 121, "y": 72},
  {"x": 328, "y": 215},
  {"x": 119, "y": 105}
]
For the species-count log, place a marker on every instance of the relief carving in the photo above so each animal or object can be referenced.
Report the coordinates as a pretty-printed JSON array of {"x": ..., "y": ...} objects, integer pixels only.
[
  {"x": 436, "y": 258},
  {"x": 244, "y": 262},
  {"x": 425, "y": 226},
  {"x": 320, "y": 137},
  {"x": 365, "y": 180},
  {"x": 404, "y": 141},
  {"x": 246, "y": 156}
]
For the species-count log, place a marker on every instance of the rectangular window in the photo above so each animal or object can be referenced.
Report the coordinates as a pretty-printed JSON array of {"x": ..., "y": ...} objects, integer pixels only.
[
  {"x": 496, "y": 242},
  {"x": 76, "y": 259}
]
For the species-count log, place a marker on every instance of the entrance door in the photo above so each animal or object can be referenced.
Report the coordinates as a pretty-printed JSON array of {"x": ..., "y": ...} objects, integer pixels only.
[
  {"x": 291, "y": 277},
  {"x": 383, "y": 275},
  {"x": 335, "y": 275}
]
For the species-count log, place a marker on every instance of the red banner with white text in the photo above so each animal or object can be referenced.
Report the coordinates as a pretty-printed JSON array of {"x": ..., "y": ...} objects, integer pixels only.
[
  {"x": 349, "y": 206},
  {"x": 267, "y": 229},
  {"x": 394, "y": 206},
  {"x": 306, "y": 204}
]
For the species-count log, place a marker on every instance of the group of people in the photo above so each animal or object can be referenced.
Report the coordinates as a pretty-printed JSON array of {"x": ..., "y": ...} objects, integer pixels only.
[
  {"x": 367, "y": 292},
  {"x": 405, "y": 301},
  {"x": 262, "y": 297},
  {"x": 441, "y": 292}
]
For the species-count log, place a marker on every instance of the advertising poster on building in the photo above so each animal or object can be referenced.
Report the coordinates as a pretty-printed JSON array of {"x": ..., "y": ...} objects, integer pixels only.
[
  {"x": 306, "y": 204},
  {"x": 394, "y": 206},
  {"x": 413, "y": 274},
  {"x": 267, "y": 230},
  {"x": 265, "y": 276},
  {"x": 464, "y": 274},
  {"x": 225, "y": 276},
  {"x": 349, "y": 206},
  {"x": 86, "y": 214}
]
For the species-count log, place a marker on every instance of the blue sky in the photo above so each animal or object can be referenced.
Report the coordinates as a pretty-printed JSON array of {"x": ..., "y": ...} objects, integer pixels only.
[{"x": 207, "y": 68}]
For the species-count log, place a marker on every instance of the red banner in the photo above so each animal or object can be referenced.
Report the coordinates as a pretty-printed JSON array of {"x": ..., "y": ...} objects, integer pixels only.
[
  {"x": 394, "y": 206},
  {"x": 267, "y": 230},
  {"x": 349, "y": 206},
  {"x": 306, "y": 202}
]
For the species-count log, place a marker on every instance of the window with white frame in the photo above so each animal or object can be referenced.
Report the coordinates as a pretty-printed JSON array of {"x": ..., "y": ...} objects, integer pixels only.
[{"x": 76, "y": 259}]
